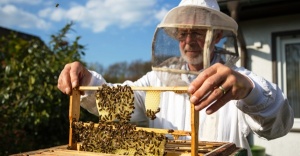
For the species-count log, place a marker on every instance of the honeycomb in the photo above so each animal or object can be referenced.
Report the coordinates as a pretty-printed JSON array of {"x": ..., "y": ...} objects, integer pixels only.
[{"x": 114, "y": 134}]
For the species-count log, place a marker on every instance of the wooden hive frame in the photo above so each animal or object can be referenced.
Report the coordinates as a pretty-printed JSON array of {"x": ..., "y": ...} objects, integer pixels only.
[
  {"x": 173, "y": 148},
  {"x": 74, "y": 114}
]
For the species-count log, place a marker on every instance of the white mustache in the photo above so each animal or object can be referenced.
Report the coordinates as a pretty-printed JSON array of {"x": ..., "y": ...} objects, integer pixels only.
[{"x": 192, "y": 48}]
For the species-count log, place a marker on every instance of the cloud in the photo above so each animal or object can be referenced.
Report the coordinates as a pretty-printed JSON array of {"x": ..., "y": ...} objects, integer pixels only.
[
  {"x": 17, "y": 17},
  {"x": 159, "y": 15},
  {"x": 31, "y": 2},
  {"x": 94, "y": 15},
  {"x": 98, "y": 15}
]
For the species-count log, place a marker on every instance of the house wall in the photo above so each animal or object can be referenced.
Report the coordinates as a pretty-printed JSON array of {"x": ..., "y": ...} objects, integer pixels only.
[{"x": 259, "y": 31}]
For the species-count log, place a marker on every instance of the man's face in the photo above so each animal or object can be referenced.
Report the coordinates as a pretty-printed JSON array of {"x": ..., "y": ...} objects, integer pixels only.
[{"x": 191, "y": 43}]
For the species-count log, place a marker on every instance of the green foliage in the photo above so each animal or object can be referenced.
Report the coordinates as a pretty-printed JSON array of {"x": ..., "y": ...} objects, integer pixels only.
[
  {"x": 122, "y": 71},
  {"x": 34, "y": 113},
  {"x": 137, "y": 69}
]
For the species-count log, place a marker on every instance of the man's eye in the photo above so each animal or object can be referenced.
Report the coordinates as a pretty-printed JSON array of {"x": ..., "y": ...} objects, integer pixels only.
[
  {"x": 182, "y": 34},
  {"x": 199, "y": 34},
  {"x": 196, "y": 33}
]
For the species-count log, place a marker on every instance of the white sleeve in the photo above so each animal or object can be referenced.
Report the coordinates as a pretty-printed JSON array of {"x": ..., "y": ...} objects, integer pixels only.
[
  {"x": 88, "y": 101},
  {"x": 267, "y": 111}
]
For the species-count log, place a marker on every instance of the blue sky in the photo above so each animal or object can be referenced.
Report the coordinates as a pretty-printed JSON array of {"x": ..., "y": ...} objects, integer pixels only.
[{"x": 111, "y": 30}]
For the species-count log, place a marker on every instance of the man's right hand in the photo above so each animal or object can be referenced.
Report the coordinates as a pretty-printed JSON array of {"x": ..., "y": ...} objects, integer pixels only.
[{"x": 73, "y": 75}]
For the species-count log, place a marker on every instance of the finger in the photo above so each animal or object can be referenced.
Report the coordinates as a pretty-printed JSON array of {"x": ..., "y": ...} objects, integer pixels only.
[
  {"x": 75, "y": 71},
  {"x": 219, "y": 103},
  {"x": 208, "y": 85},
  {"x": 64, "y": 84},
  {"x": 216, "y": 93},
  {"x": 200, "y": 79}
]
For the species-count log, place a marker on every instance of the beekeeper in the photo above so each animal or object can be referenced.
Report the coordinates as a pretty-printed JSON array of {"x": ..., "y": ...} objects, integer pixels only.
[{"x": 232, "y": 101}]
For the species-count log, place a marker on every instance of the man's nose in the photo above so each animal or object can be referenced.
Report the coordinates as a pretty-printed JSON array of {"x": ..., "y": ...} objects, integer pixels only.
[{"x": 189, "y": 38}]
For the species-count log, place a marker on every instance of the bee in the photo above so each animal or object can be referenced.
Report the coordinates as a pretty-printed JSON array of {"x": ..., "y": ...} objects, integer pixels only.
[
  {"x": 170, "y": 131},
  {"x": 56, "y": 5},
  {"x": 158, "y": 144},
  {"x": 158, "y": 110},
  {"x": 157, "y": 152}
]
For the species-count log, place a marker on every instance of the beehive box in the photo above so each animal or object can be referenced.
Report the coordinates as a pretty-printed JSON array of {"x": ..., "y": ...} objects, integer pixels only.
[{"x": 173, "y": 147}]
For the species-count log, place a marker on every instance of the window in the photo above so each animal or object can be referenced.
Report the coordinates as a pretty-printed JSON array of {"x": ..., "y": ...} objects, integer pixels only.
[{"x": 288, "y": 70}]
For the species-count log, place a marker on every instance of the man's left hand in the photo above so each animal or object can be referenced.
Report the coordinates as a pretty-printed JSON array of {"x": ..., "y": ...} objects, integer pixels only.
[{"x": 218, "y": 83}]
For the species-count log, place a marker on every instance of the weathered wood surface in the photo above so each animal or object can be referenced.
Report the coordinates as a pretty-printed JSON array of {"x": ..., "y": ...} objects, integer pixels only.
[{"x": 176, "y": 148}]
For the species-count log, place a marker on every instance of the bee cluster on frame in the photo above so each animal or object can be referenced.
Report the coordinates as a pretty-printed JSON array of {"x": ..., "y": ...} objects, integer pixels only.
[{"x": 114, "y": 134}]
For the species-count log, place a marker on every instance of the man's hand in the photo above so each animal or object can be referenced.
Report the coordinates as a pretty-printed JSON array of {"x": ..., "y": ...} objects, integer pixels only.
[
  {"x": 218, "y": 83},
  {"x": 73, "y": 75}
]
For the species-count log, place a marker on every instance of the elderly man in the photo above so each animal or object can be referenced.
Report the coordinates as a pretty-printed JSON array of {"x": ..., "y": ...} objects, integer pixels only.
[{"x": 232, "y": 101}]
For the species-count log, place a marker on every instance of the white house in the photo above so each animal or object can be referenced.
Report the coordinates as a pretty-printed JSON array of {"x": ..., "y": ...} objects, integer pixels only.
[{"x": 271, "y": 30}]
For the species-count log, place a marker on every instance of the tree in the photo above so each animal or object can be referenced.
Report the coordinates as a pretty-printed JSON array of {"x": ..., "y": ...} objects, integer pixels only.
[
  {"x": 137, "y": 69},
  {"x": 122, "y": 71},
  {"x": 116, "y": 72},
  {"x": 34, "y": 113},
  {"x": 95, "y": 66}
]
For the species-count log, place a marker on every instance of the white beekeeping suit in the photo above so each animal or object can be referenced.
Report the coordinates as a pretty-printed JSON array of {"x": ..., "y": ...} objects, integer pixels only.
[{"x": 264, "y": 111}]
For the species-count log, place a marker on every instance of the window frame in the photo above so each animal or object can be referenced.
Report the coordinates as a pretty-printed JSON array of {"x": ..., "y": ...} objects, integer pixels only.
[{"x": 279, "y": 39}]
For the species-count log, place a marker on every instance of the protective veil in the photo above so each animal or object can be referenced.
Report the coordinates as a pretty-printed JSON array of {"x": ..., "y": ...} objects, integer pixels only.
[{"x": 215, "y": 29}]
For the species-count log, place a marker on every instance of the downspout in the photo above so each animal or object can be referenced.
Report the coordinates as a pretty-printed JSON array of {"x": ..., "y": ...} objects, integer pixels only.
[{"x": 234, "y": 9}]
